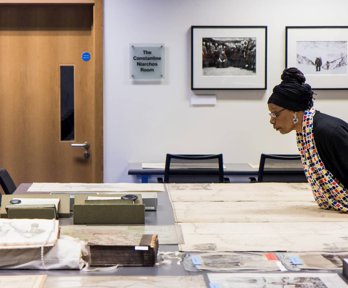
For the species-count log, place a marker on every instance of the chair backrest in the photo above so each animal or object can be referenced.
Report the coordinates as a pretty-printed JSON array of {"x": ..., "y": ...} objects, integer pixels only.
[
  {"x": 6, "y": 182},
  {"x": 281, "y": 168},
  {"x": 193, "y": 168}
]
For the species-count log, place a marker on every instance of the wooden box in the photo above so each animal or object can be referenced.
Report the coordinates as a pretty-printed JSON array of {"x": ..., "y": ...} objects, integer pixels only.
[{"x": 144, "y": 254}]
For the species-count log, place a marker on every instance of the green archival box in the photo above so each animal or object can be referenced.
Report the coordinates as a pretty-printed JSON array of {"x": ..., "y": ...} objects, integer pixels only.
[
  {"x": 108, "y": 209},
  {"x": 31, "y": 212},
  {"x": 35, "y": 205}
]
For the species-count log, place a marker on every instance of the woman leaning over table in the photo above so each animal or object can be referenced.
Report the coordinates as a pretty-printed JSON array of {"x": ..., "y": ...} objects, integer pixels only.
[{"x": 322, "y": 139}]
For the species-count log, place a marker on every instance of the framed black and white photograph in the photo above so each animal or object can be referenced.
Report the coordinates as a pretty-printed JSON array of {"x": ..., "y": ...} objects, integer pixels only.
[
  {"x": 320, "y": 53},
  {"x": 228, "y": 57}
]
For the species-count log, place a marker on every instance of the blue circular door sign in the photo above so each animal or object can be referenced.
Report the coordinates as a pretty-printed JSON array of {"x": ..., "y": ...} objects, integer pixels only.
[{"x": 86, "y": 56}]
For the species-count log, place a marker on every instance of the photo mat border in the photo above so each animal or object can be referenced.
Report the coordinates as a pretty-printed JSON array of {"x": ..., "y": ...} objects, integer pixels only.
[
  {"x": 316, "y": 33},
  {"x": 200, "y": 82}
]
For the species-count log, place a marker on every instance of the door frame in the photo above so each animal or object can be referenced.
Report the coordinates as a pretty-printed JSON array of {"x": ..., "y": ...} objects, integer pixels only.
[{"x": 98, "y": 16}]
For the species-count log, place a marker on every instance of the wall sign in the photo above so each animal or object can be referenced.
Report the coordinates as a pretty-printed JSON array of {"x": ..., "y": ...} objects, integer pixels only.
[{"x": 147, "y": 62}]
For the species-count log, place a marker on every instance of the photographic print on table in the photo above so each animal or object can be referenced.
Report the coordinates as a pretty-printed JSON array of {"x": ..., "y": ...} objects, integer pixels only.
[
  {"x": 320, "y": 52},
  {"x": 228, "y": 57}
]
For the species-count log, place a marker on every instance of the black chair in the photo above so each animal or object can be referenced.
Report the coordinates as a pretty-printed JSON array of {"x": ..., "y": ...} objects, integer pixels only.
[
  {"x": 6, "y": 182},
  {"x": 188, "y": 168},
  {"x": 281, "y": 168}
]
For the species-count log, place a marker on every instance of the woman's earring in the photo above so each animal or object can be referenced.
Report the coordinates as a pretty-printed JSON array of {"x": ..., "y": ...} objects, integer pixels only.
[{"x": 295, "y": 119}]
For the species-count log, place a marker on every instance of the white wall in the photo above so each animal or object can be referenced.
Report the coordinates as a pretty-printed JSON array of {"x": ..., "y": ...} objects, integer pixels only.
[{"x": 143, "y": 122}]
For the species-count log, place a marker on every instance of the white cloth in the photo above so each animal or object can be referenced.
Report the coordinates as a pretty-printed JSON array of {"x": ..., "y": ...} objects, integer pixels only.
[{"x": 67, "y": 253}]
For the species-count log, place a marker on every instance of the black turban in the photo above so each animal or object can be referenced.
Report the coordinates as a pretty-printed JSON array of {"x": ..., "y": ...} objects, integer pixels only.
[{"x": 292, "y": 93}]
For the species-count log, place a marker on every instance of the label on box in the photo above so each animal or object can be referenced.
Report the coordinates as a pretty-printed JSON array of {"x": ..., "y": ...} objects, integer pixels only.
[{"x": 143, "y": 248}]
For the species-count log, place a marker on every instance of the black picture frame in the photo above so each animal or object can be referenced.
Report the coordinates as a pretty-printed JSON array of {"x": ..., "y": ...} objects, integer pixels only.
[
  {"x": 320, "y": 52},
  {"x": 228, "y": 57}
]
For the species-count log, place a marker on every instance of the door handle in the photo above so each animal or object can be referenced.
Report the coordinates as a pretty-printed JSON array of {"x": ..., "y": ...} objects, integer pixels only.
[{"x": 85, "y": 146}]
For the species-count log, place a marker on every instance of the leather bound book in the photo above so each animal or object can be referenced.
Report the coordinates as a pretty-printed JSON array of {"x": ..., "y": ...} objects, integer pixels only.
[{"x": 143, "y": 254}]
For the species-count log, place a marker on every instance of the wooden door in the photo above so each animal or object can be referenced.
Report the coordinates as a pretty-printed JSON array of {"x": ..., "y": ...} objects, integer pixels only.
[{"x": 42, "y": 52}]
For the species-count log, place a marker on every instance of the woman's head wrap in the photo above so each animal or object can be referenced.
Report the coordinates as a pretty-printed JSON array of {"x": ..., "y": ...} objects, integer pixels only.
[{"x": 292, "y": 93}]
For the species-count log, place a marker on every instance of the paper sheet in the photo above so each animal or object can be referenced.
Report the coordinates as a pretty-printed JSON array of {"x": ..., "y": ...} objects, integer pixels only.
[
  {"x": 218, "y": 212},
  {"x": 147, "y": 165},
  {"x": 167, "y": 234},
  {"x": 229, "y": 262},
  {"x": 257, "y": 280},
  {"x": 126, "y": 281},
  {"x": 23, "y": 281},
  {"x": 312, "y": 261},
  {"x": 255, "y": 217},
  {"x": 27, "y": 233},
  {"x": 95, "y": 187},
  {"x": 298, "y": 236},
  {"x": 237, "y": 192}
]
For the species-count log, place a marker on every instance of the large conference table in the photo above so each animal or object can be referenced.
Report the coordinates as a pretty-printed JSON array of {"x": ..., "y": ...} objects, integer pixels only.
[{"x": 224, "y": 218}]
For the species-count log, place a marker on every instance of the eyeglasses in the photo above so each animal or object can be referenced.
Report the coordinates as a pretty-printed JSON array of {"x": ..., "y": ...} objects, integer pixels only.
[{"x": 276, "y": 114}]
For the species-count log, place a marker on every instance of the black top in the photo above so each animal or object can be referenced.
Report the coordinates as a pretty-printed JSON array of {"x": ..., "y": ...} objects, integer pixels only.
[{"x": 331, "y": 139}]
